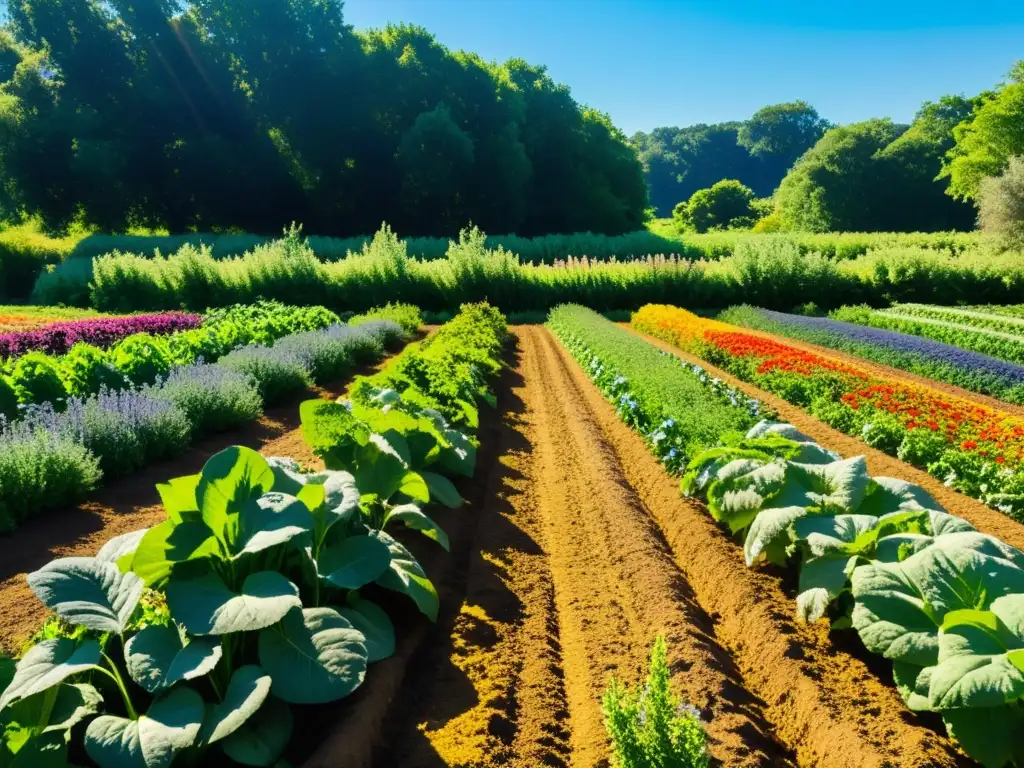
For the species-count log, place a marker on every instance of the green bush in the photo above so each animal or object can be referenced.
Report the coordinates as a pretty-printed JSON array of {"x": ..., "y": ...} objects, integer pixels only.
[
  {"x": 85, "y": 369},
  {"x": 650, "y": 727},
  {"x": 921, "y": 448},
  {"x": 36, "y": 379},
  {"x": 406, "y": 315},
  {"x": 884, "y": 434},
  {"x": 8, "y": 398},
  {"x": 142, "y": 357}
]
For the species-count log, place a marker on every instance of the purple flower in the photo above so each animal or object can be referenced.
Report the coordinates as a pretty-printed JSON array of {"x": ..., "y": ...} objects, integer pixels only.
[{"x": 58, "y": 338}]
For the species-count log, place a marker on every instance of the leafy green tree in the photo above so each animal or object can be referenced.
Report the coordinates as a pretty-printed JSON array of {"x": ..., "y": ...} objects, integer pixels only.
[
  {"x": 1001, "y": 203},
  {"x": 834, "y": 185},
  {"x": 782, "y": 131},
  {"x": 724, "y": 205},
  {"x": 986, "y": 141}
]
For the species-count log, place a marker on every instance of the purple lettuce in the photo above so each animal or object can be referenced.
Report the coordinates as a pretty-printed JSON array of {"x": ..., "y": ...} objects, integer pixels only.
[{"x": 58, "y": 338}]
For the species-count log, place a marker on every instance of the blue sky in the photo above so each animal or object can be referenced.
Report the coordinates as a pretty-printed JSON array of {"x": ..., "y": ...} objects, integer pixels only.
[{"x": 650, "y": 63}]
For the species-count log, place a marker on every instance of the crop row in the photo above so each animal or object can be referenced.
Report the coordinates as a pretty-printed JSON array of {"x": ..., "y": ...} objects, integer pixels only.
[
  {"x": 921, "y": 587},
  {"x": 38, "y": 378},
  {"x": 262, "y": 590},
  {"x": 51, "y": 457},
  {"x": 28, "y": 318},
  {"x": 934, "y": 359},
  {"x": 970, "y": 447},
  {"x": 997, "y": 336}
]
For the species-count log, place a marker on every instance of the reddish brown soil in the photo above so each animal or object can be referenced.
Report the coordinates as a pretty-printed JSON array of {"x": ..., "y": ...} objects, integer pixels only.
[
  {"x": 984, "y": 518},
  {"x": 125, "y": 505}
]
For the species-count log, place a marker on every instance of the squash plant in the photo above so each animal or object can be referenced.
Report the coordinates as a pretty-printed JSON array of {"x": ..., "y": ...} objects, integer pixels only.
[{"x": 261, "y": 565}]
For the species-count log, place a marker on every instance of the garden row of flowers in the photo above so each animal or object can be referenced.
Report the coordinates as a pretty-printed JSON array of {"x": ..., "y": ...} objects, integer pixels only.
[
  {"x": 981, "y": 330},
  {"x": 268, "y": 586},
  {"x": 934, "y": 359},
  {"x": 92, "y": 414},
  {"x": 29, "y": 318},
  {"x": 875, "y": 555},
  {"x": 970, "y": 447}
]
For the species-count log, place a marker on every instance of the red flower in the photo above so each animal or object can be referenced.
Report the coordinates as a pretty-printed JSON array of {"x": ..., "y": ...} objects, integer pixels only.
[{"x": 968, "y": 445}]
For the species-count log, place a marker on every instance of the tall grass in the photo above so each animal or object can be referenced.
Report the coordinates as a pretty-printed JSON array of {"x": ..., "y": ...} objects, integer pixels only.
[{"x": 773, "y": 271}]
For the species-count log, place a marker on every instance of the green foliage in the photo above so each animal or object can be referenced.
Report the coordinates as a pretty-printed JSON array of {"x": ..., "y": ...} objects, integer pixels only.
[
  {"x": 85, "y": 369},
  {"x": 650, "y": 727},
  {"x": 142, "y": 357},
  {"x": 987, "y": 140},
  {"x": 207, "y": 100},
  {"x": 727, "y": 204},
  {"x": 406, "y": 315},
  {"x": 36, "y": 379},
  {"x": 785, "y": 131},
  {"x": 1001, "y": 203}
]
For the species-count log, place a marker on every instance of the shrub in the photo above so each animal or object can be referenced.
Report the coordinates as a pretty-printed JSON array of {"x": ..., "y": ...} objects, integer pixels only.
[
  {"x": 8, "y": 399},
  {"x": 406, "y": 315},
  {"x": 724, "y": 205},
  {"x": 885, "y": 434},
  {"x": 1001, "y": 204},
  {"x": 85, "y": 370},
  {"x": 276, "y": 373},
  {"x": 921, "y": 447},
  {"x": 142, "y": 358},
  {"x": 651, "y": 727},
  {"x": 36, "y": 379},
  {"x": 213, "y": 397},
  {"x": 26, "y": 455},
  {"x": 331, "y": 354}
]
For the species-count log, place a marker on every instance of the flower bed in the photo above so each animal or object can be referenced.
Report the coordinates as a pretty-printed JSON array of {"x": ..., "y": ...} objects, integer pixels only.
[
  {"x": 57, "y": 338},
  {"x": 972, "y": 448}
]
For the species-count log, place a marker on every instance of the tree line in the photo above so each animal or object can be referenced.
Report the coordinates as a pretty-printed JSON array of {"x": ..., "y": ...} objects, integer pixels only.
[
  {"x": 789, "y": 169},
  {"x": 246, "y": 114}
]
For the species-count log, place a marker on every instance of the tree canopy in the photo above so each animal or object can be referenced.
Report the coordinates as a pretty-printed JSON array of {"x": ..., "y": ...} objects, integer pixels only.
[
  {"x": 757, "y": 152},
  {"x": 247, "y": 114},
  {"x": 723, "y": 205}
]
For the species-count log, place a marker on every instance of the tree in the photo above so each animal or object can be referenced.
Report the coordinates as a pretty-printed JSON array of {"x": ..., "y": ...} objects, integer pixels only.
[
  {"x": 988, "y": 139},
  {"x": 836, "y": 184},
  {"x": 782, "y": 131},
  {"x": 1001, "y": 203},
  {"x": 724, "y": 205}
]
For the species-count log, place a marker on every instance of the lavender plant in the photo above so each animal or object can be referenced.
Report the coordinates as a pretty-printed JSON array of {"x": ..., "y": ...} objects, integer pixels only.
[
  {"x": 213, "y": 397},
  {"x": 278, "y": 372}
]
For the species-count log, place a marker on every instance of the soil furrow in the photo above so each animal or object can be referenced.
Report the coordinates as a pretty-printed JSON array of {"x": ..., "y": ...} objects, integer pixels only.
[
  {"x": 826, "y": 704},
  {"x": 981, "y": 516}
]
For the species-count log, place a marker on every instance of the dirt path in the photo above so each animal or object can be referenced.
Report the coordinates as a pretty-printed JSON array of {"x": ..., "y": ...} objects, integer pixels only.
[
  {"x": 580, "y": 550},
  {"x": 981, "y": 516},
  {"x": 126, "y": 505}
]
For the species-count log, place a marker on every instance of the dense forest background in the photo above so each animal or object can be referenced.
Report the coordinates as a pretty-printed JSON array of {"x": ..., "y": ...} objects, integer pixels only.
[
  {"x": 244, "y": 115},
  {"x": 249, "y": 114}
]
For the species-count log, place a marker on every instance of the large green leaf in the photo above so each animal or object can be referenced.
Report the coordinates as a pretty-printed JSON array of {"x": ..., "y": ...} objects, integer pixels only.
[
  {"x": 47, "y": 664},
  {"x": 768, "y": 534},
  {"x": 890, "y": 495},
  {"x": 354, "y": 562},
  {"x": 413, "y": 517},
  {"x": 247, "y": 690},
  {"x": 894, "y": 546},
  {"x": 379, "y": 469},
  {"x": 87, "y": 591},
  {"x": 742, "y": 489},
  {"x": 341, "y": 498},
  {"x": 912, "y": 683},
  {"x": 841, "y": 485},
  {"x": 406, "y": 576},
  {"x": 460, "y": 457},
  {"x": 262, "y": 738},
  {"x": 288, "y": 475},
  {"x": 24, "y": 748},
  {"x": 120, "y": 546},
  {"x": 313, "y": 656},
  {"x": 170, "y": 726},
  {"x": 168, "y": 544},
  {"x": 990, "y": 735},
  {"x": 55, "y": 709},
  {"x": 975, "y": 666},
  {"x": 442, "y": 490},
  {"x": 378, "y": 631},
  {"x": 158, "y": 657},
  {"x": 206, "y": 606},
  {"x": 272, "y": 519},
  {"x": 229, "y": 479},
  {"x": 822, "y": 579},
  {"x": 179, "y": 498}
]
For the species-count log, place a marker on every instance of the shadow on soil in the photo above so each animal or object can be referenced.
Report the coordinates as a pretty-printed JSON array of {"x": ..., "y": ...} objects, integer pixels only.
[{"x": 435, "y": 690}]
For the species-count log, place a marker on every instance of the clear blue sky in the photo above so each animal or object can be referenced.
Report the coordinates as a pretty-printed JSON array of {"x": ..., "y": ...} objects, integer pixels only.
[{"x": 650, "y": 63}]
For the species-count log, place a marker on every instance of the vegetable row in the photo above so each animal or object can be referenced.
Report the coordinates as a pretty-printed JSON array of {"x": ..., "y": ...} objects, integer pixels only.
[
  {"x": 991, "y": 334},
  {"x": 934, "y": 359},
  {"x": 267, "y": 587},
  {"x": 970, "y": 447},
  {"x": 53, "y": 456},
  {"x": 921, "y": 587}
]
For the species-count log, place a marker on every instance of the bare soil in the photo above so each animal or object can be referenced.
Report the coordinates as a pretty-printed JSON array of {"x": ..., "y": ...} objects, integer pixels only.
[
  {"x": 981, "y": 516},
  {"x": 575, "y": 552}
]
